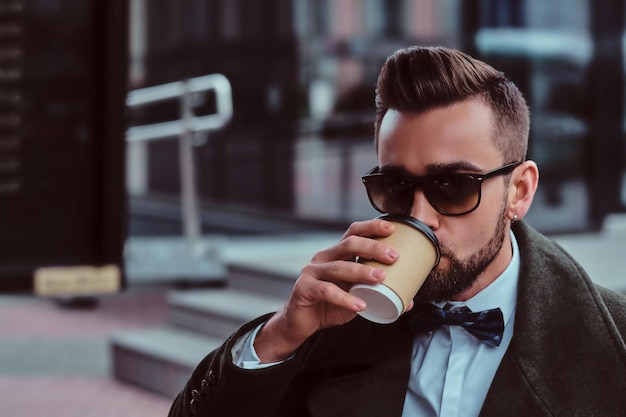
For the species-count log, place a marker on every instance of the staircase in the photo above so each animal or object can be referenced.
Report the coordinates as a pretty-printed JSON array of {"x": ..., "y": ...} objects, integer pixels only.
[{"x": 260, "y": 273}]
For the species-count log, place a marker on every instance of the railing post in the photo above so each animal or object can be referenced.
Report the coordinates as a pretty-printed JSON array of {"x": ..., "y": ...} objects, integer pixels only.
[
  {"x": 185, "y": 130},
  {"x": 189, "y": 197}
]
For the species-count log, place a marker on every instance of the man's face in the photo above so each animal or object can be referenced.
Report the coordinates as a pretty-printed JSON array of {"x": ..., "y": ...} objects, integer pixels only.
[{"x": 453, "y": 139}]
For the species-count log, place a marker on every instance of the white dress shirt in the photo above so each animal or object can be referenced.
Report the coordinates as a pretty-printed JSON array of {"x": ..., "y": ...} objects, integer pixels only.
[{"x": 451, "y": 370}]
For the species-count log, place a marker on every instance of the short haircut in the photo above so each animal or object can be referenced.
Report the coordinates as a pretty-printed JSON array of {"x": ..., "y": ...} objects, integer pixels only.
[{"x": 418, "y": 79}]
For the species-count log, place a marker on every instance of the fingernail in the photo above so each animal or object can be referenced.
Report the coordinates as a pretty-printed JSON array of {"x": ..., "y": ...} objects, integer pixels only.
[
  {"x": 378, "y": 274},
  {"x": 360, "y": 305},
  {"x": 387, "y": 225},
  {"x": 392, "y": 253}
]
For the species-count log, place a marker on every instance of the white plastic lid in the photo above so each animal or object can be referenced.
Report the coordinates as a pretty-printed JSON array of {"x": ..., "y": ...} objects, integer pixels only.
[{"x": 383, "y": 304}]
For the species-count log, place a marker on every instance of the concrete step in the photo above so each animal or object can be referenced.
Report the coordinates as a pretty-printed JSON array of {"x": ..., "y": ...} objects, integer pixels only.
[
  {"x": 218, "y": 312},
  {"x": 268, "y": 280},
  {"x": 172, "y": 260},
  {"x": 159, "y": 359},
  {"x": 260, "y": 273}
]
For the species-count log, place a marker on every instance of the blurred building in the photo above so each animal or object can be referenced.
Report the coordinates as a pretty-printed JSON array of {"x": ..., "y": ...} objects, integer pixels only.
[
  {"x": 303, "y": 73},
  {"x": 63, "y": 74}
]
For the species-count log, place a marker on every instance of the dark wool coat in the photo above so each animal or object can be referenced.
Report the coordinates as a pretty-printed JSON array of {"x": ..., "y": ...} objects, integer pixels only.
[{"x": 567, "y": 358}]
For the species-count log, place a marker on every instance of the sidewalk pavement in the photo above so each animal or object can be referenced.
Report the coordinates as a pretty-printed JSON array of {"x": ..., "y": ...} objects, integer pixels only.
[
  {"x": 602, "y": 254},
  {"x": 56, "y": 362}
]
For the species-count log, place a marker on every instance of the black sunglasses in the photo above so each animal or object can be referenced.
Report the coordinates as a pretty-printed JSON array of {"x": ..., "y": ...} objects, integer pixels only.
[{"x": 450, "y": 194}]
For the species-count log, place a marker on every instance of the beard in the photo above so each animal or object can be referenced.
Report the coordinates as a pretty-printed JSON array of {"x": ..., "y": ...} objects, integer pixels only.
[{"x": 443, "y": 285}]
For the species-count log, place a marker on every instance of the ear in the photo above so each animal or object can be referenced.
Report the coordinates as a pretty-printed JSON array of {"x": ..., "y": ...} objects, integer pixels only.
[{"x": 522, "y": 188}]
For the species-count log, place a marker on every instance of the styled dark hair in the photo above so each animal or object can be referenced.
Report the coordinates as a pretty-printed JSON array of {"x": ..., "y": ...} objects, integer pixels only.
[{"x": 418, "y": 79}]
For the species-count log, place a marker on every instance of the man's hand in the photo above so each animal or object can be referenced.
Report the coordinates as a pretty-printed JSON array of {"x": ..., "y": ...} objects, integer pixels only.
[{"x": 320, "y": 296}]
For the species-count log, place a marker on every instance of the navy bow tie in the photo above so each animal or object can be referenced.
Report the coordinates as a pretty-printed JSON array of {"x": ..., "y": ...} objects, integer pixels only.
[{"x": 487, "y": 326}]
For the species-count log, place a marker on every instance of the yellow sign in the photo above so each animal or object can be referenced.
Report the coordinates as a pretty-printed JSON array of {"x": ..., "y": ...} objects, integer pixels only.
[{"x": 77, "y": 280}]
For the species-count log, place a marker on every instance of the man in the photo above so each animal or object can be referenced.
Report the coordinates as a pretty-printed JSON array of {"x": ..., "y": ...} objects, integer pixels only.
[{"x": 451, "y": 135}]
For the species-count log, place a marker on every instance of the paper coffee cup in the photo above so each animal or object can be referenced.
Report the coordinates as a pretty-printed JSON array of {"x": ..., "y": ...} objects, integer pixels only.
[{"x": 419, "y": 254}]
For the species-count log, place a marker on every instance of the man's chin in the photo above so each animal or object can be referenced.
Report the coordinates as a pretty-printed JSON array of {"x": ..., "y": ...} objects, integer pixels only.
[{"x": 442, "y": 285}]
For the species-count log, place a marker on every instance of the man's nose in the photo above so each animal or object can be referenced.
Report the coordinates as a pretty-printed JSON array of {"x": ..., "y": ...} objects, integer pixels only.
[{"x": 424, "y": 211}]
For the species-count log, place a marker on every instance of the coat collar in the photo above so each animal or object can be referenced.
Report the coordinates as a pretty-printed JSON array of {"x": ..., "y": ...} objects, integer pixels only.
[{"x": 566, "y": 357}]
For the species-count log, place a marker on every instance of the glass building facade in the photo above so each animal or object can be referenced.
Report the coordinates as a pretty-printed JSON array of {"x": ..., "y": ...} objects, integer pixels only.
[{"x": 303, "y": 74}]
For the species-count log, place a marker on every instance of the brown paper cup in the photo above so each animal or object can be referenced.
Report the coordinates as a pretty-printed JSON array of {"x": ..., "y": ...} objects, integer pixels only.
[{"x": 419, "y": 254}]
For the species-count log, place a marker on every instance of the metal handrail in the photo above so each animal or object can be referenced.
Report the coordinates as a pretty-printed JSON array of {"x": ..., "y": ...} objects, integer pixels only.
[
  {"x": 185, "y": 129},
  {"x": 178, "y": 89}
]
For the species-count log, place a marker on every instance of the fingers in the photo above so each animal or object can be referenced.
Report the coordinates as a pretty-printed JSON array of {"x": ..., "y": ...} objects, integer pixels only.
[
  {"x": 328, "y": 277},
  {"x": 333, "y": 294},
  {"x": 359, "y": 240},
  {"x": 375, "y": 227},
  {"x": 320, "y": 297},
  {"x": 343, "y": 273}
]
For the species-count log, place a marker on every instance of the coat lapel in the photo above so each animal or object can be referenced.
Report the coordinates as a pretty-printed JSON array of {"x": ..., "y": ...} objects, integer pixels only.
[
  {"x": 511, "y": 394},
  {"x": 378, "y": 392},
  {"x": 566, "y": 352},
  {"x": 368, "y": 372}
]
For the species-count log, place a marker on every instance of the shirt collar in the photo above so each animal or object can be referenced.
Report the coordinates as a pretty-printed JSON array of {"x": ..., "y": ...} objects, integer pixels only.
[{"x": 502, "y": 292}]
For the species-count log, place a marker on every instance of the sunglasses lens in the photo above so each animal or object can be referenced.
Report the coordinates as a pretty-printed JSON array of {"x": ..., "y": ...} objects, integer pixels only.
[
  {"x": 454, "y": 194},
  {"x": 389, "y": 194}
]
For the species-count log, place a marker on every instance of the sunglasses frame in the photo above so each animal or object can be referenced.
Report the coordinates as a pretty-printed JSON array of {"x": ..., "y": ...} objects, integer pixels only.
[{"x": 418, "y": 181}]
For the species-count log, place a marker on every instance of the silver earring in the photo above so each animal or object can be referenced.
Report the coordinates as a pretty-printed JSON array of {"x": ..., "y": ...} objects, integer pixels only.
[{"x": 514, "y": 219}]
